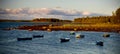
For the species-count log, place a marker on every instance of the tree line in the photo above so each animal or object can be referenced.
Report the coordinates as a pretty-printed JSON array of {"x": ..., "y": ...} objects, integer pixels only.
[
  {"x": 115, "y": 18},
  {"x": 50, "y": 20}
]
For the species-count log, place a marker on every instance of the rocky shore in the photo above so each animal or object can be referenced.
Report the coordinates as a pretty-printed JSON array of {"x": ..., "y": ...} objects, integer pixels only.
[{"x": 93, "y": 27}]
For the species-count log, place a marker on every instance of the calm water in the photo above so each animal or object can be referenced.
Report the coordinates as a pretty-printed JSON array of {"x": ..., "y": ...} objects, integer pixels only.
[{"x": 50, "y": 44}]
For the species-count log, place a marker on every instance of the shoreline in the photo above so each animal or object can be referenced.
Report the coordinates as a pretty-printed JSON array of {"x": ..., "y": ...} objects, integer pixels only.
[{"x": 95, "y": 27}]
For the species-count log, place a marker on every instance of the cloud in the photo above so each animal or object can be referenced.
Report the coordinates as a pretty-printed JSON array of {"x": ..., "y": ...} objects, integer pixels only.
[{"x": 30, "y": 13}]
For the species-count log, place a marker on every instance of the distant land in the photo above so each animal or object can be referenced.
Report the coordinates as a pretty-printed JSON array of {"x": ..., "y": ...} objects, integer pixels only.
[{"x": 7, "y": 20}]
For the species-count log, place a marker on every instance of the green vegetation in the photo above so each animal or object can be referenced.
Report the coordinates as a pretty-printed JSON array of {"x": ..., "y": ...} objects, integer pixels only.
[
  {"x": 89, "y": 20},
  {"x": 49, "y": 20},
  {"x": 115, "y": 18},
  {"x": 118, "y": 13}
]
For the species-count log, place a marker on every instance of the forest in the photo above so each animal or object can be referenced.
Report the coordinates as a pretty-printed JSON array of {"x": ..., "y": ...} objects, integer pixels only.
[
  {"x": 115, "y": 18},
  {"x": 49, "y": 20}
]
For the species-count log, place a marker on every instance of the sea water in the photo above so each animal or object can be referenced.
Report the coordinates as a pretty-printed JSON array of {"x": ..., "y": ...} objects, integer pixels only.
[{"x": 50, "y": 43}]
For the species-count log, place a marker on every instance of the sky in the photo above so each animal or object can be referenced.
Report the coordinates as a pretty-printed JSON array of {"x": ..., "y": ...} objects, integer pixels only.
[{"x": 63, "y": 9}]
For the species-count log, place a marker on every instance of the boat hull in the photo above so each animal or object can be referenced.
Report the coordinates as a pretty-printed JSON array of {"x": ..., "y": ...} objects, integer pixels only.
[
  {"x": 38, "y": 36},
  {"x": 22, "y": 39},
  {"x": 99, "y": 43},
  {"x": 64, "y": 40}
]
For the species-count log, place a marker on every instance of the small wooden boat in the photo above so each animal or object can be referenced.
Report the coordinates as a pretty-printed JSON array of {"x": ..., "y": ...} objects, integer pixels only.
[
  {"x": 38, "y": 36},
  {"x": 80, "y": 36},
  {"x": 106, "y": 35},
  {"x": 28, "y": 38},
  {"x": 72, "y": 33},
  {"x": 64, "y": 39},
  {"x": 100, "y": 43}
]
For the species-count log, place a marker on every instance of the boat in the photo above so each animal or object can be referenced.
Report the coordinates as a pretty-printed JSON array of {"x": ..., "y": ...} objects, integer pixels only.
[
  {"x": 64, "y": 39},
  {"x": 27, "y": 38},
  {"x": 106, "y": 35},
  {"x": 38, "y": 36},
  {"x": 80, "y": 36},
  {"x": 72, "y": 33},
  {"x": 100, "y": 43}
]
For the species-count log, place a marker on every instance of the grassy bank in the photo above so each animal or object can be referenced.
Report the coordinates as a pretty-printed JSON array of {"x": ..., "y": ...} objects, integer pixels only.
[{"x": 75, "y": 27}]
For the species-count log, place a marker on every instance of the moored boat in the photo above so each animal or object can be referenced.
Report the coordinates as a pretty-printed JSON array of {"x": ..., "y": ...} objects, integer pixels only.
[
  {"x": 27, "y": 38},
  {"x": 100, "y": 43},
  {"x": 38, "y": 36},
  {"x": 80, "y": 36},
  {"x": 72, "y": 33},
  {"x": 64, "y": 39},
  {"x": 106, "y": 35}
]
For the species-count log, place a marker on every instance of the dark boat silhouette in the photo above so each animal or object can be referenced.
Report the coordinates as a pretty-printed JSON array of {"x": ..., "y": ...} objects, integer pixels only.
[
  {"x": 72, "y": 33},
  {"x": 38, "y": 36},
  {"x": 27, "y": 38},
  {"x": 100, "y": 43},
  {"x": 64, "y": 39},
  {"x": 80, "y": 36},
  {"x": 106, "y": 35}
]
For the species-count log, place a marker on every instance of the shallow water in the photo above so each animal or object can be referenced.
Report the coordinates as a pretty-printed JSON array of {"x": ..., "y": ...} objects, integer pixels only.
[{"x": 50, "y": 43}]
